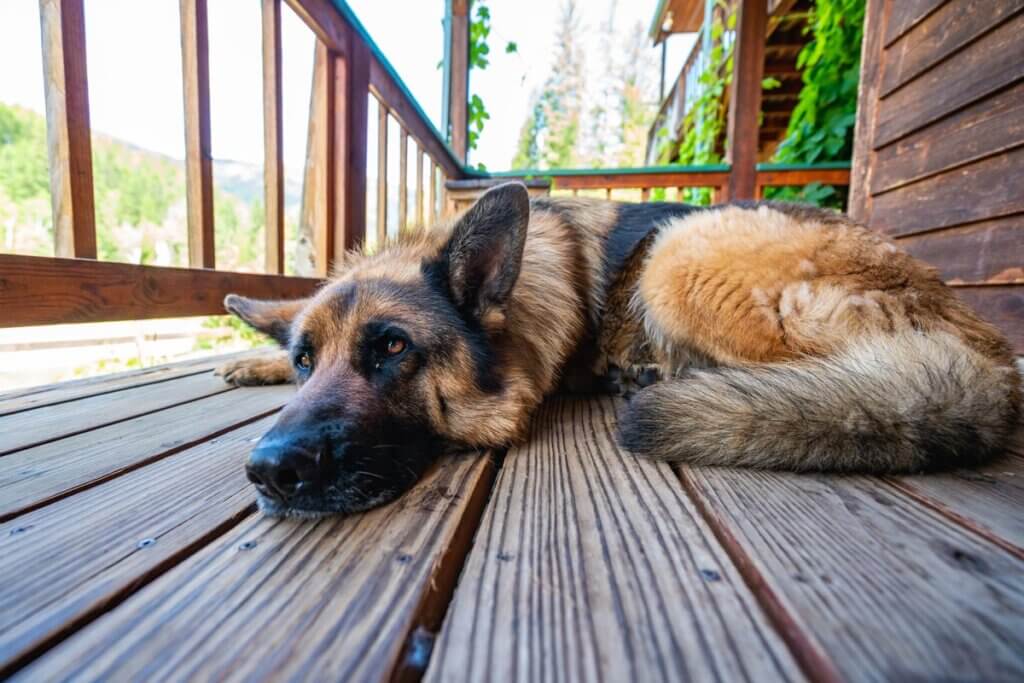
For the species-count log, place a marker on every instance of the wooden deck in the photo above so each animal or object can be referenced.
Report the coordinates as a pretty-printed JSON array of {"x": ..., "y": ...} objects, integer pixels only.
[{"x": 130, "y": 550}]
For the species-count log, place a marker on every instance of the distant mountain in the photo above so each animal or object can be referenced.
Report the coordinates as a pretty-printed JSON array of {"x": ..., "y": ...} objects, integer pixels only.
[{"x": 245, "y": 181}]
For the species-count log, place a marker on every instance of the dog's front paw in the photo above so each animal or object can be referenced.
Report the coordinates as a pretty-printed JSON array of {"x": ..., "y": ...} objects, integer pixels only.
[{"x": 250, "y": 372}]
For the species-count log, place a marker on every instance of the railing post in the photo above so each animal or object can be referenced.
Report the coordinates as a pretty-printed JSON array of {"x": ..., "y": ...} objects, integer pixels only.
[
  {"x": 382, "y": 174},
  {"x": 418, "y": 223},
  {"x": 745, "y": 100},
  {"x": 403, "y": 179},
  {"x": 195, "y": 65},
  {"x": 351, "y": 117},
  {"x": 67, "y": 127},
  {"x": 317, "y": 209},
  {"x": 458, "y": 77},
  {"x": 273, "y": 164}
]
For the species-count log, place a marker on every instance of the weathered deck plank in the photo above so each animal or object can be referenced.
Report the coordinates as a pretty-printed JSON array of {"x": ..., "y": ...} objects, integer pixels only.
[
  {"x": 591, "y": 564},
  {"x": 987, "y": 499},
  {"x": 881, "y": 587},
  {"x": 42, "y": 425},
  {"x": 51, "y": 394},
  {"x": 287, "y": 599},
  {"x": 120, "y": 534},
  {"x": 35, "y": 476}
]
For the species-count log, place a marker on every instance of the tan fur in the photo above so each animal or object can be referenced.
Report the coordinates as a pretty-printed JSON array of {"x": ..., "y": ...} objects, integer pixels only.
[{"x": 825, "y": 346}]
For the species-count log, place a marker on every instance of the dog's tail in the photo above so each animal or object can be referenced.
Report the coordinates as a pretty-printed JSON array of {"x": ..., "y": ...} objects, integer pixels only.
[{"x": 900, "y": 403}]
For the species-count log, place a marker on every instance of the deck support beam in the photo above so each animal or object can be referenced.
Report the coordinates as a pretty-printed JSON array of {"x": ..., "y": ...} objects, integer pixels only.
[
  {"x": 458, "y": 77},
  {"x": 745, "y": 99}
]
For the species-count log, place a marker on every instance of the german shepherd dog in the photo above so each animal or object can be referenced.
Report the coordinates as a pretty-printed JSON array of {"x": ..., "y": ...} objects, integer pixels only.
[{"x": 780, "y": 336}]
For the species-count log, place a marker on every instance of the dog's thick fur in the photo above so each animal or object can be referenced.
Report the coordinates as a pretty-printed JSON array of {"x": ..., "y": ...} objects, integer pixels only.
[{"x": 785, "y": 336}]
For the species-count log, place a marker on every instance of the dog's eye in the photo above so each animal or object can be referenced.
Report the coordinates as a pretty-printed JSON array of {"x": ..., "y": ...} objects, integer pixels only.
[
  {"x": 304, "y": 361},
  {"x": 394, "y": 346}
]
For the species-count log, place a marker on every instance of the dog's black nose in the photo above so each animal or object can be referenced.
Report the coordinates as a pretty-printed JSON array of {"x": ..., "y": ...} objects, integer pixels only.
[{"x": 283, "y": 469}]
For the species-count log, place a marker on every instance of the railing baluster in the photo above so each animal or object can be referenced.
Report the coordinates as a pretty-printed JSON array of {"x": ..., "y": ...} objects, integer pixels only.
[
  {"x": 403, "y": 178},
  {"x": 645, "y": 194},
  {"x": 382, "y": 174},
  {"x": 418, "y": 223},
  {"x": 351, "y": 118},
  {"x": 433, "y": 191},
  {"x": 67, "y": 125},
  {"x": 320, "y": 166},
  {"x": 195, "y": 65},
  {"x": 273, "y": 164}
]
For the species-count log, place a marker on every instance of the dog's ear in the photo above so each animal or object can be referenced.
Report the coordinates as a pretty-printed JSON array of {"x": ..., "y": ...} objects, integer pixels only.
[
  {"x": 273, "y": 318},
  {"x": 485, "y": 252}
]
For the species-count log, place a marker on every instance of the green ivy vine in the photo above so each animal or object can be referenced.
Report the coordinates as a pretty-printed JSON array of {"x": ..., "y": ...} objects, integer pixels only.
[
  {"x": 479, "y": 49},
  {"x": 822, "y": 125}
]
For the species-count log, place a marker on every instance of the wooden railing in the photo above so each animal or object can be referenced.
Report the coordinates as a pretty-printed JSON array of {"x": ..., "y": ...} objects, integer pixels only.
[{"x": 75, "y": 287}]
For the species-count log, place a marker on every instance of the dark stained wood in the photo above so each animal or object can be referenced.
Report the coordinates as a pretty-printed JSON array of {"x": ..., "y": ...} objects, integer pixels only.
[
  {"x": 974, "y": 192},
  {"x": 195, "y": 64},
  {"x": 593, "y": 565},
  {"x": 458, "y": 94},
  {"x": 51, "y": 394},
  {"x": 350, "y": 131},
  {"x": 36, "y": 476},
  {"x": 1001, "y": 305},
  {"x": 69, "y": 144},
  {"x": 745, "y": 98},
  {"x": 962, "y": 79},
  {"x": 988, "y": 127},
  {"x": 42, "y": 291},
  {"x": 323, "y": 19},
  {"x": 940, "y": 35},
  {"x": 986, "y": 500},
  {"x": 826, "y": 176},
  {"x": 327, "y": 600},
  {"x": 125, "y": 532},
  {"x": 273, "y": 162},
  {"x": 41, "y": 425},
  {"x": 382, "y": 174},
  {"x": 990, "y": 252},
  {"x": 880, "y": 586},
  {"x": 905, "y": 15},
  {"x": 872, "y": 58}
]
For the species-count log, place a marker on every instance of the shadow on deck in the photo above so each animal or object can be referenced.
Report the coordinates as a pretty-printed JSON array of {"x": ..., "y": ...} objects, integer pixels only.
[{"x": 130, "y": 550}]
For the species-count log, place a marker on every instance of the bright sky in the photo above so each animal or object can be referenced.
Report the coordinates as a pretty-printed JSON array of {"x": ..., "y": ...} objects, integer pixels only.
[{"x": 134, "y": 66}]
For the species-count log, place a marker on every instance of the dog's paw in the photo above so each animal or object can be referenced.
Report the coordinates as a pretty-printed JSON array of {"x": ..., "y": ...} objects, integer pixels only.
[
  {"x": 625, "y": 382},
  {"x": 252, "y": 372}
]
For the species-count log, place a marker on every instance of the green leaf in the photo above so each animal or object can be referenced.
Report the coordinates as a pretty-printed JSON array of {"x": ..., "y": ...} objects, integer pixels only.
[
  {"x": 511, "y": 47},
  {"x": 770, "y": 83}
]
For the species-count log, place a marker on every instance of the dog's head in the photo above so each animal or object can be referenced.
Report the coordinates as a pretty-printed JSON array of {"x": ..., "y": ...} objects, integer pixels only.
[{"x": 382, "y": 354}]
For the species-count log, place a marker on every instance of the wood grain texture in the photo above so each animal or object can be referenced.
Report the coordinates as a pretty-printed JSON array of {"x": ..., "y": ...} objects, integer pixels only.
[
  {"x": 68, "y": 131},
  {"x": 36, "y": 290},
  {"x": 633, "y": 180},
  {"x": 403, "y": 179},
  {"x": 988, "y": 127},
  {"x": 1001, "y": 305},
  {"x": 273, "y": 143},
  {"x": 871, "y": 61},
  {"x": 745, "y": 98},
  {"x": 420, "y": 221},
  {"x": 125, "y": 532},
  {"x": 195, "y": 65},
  {"x": 42, "y": 425},
  {"x": 458, "y": 80},
  {"x": 318, "y": 203},
  {"x": 382, "y": 174},
  {"x": 941, "y": 34},
  {"x": 62, "y": 392},
  {"x": 592, "y": 565},
  {"x": 978, "y": 70},
  {"x": 350, "y": 130},
  {"x": 39, "y": 475},
  {"x": 975, "y": 192},
  {"x": 432, "y": 211},
  {"x": 323, "y": 19},
  {"x": 882, "y": 587},
  {"x": 906, "y": 14},
  {"x": 990, "y": 252},
  {"x": 284, "y": 599},
  {"x": 986, "y": 499}
]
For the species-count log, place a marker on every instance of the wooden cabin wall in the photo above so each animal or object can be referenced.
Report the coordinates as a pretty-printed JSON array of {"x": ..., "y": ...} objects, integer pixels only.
[{"x": 939, "y": 154}]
